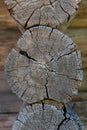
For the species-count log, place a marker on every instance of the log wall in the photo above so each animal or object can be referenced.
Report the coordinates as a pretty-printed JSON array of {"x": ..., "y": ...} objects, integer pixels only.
[{"x": 9, "y": 34}]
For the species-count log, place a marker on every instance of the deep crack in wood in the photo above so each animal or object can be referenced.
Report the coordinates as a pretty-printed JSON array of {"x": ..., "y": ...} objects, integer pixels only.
[
  {"x": 47, "y": 117},
  {"x": 53, "y": 13},
  {"x": 47, "y": 67}
]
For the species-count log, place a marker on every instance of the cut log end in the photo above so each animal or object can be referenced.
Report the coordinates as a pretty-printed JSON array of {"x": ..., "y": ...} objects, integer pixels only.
[
  {"x": 46, "y": 69},
  {"x": 54, "y": 13},
  {"x": 47, "y": 117},
  {"x": 48, "y": 66}
]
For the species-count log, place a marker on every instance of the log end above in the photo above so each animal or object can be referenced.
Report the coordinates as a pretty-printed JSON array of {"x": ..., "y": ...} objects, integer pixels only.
[
  {"x": 47, "y": 66},
  {"x": 54, "y": 13}
]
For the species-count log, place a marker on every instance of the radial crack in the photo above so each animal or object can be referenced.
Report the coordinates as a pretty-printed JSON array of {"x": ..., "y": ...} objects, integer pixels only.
[
  {"x": 51, "y": 33},
  {"x": 66, "y": 54},
  {"x": 29, "y": 18},
  {"x": 24, "y": 53},
  {"x": 64, "y": 114},
  {"x": 65, "y": 11},
  {"x": 24, "y": 92},
  {"x": 51, "y": 3},
  {"x": 46, "y": 85}
]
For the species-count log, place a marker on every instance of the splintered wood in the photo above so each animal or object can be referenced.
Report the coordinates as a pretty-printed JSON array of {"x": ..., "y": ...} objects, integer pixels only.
[
  {"x": 54, "y": 13},
  {"x": 47, "y": 117},
  {"x": 48, "y": 65},
  {"x": 45, "y": 70}
]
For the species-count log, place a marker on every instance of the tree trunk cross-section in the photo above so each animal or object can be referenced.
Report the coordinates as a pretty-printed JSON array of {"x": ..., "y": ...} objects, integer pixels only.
[
  {"x": 54, "y": 13},
  {"x": 47, "y": 66},
  {"x": 47, "y": 117}
]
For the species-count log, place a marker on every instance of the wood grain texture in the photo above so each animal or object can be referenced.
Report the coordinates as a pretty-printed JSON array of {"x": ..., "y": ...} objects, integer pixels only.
[
  {"x": 47, "y": 117},
  {"x": 48, "y": 65},
  {"x": 6, "y": 121},
  {"x": 8, "y": 101},
  {"x": 80, "y": 21},
  {"x": 79, "y": 35},
  {"x": 8, "y": 39},
  {"x": 54, "y": 13}
]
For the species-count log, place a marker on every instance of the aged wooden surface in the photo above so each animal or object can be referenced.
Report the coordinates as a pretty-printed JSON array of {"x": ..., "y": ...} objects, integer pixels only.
[
  {"x": 47, "y": 63},
  {"x": 78, "y": 22},
  {"x": 47, "y": 117},
  {"x": 53, "y": 13},
  {"x": 8, "y": 37}
]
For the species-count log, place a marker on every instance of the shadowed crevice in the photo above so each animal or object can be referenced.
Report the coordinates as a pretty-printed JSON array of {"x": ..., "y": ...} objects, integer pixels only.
[{"x": 24, "y": 53}]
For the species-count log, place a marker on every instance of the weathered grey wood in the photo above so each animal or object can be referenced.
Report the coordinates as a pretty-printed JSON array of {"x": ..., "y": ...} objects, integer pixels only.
[
  {"x": 67, "y": 122},
  {"x": 47, "y": 117},
  {"x": 54, "y": 13},
  {"x": 48, "y": 65}
]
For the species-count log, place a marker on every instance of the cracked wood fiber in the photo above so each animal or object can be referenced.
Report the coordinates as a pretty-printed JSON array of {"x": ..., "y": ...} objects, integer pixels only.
[
  {"x": 47, "y": 117},
  {"x": 47, "y": 66},
  {"x": 54, "y": 13}
]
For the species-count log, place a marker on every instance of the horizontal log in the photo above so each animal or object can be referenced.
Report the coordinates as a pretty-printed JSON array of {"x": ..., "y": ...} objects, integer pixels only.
[
  {"x": 80, "y": 38},
  {"x": 82, "y": 96},
  {"x": 9, "y": 128},
  {"x": 80, "y": 108},
  {"x": 7, "y": 42},
  {"x": 6, "y": 121},
  {"x": 8, "y": 101},
  {"x": 81, "y": 19}
]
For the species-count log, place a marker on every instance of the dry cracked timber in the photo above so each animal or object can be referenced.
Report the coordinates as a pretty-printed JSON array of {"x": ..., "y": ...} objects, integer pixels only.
[
  {"x": 47, "y": 66},
  {"x": 46, "y": 69},
  {"x": 53, "y": 13},
  {"x": 47, "y": 117}
]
